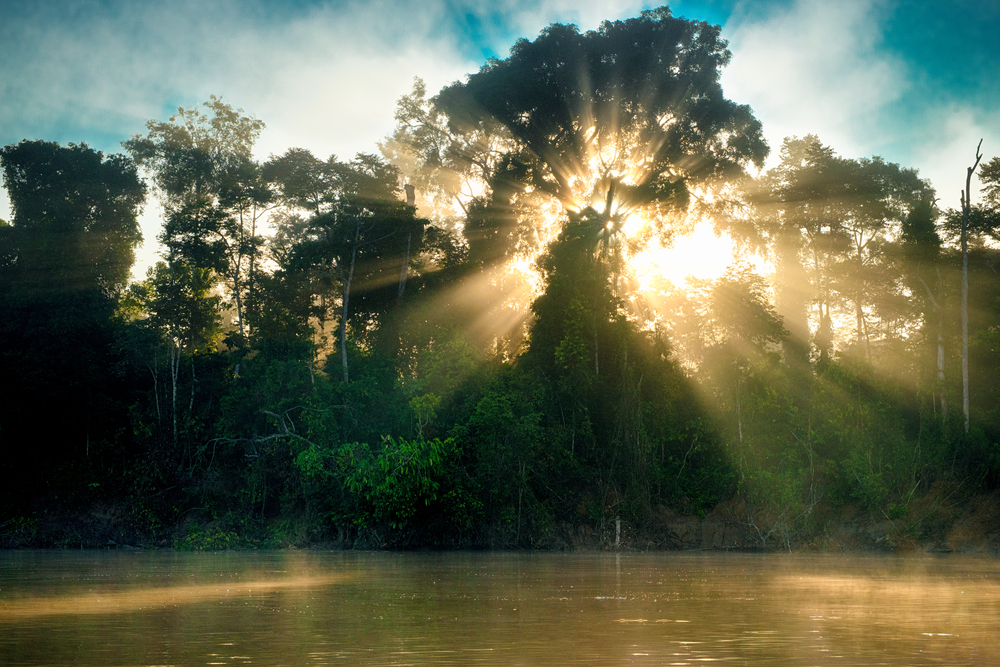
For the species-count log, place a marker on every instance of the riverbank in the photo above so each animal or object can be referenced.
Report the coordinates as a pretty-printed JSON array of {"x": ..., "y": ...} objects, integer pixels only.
[
  {"x": 940, "y": 521},
  {"x": 934, "y": 523}
]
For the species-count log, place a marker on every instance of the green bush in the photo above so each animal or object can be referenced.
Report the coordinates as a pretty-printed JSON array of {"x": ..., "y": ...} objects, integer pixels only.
[{"x": 411, "y": 487}]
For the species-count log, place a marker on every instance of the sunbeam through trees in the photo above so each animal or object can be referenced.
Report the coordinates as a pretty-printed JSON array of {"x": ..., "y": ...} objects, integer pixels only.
[{"x": 473, "y": 338}]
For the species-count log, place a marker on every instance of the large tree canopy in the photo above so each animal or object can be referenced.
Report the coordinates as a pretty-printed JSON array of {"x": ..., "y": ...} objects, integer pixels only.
[
  {"x": 213, "y": 191},
  {"x": 630, "y": 117},
  {"x": 193, "y": 154},
  {"x": 75, "y": 215},
  {"x": 63, "y": 263}
]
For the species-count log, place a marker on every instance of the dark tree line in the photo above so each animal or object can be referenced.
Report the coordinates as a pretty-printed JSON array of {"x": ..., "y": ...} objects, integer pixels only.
[{"x": 312, "y": 359}]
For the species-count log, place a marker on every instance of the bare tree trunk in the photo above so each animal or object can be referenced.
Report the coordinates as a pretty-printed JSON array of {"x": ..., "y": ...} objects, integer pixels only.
[
  {"x": 175, "y": 362},
  {"x": 194, "y": 379},
  {"x": 859, "y": 316},
  {"x": 347, "y": 298},
  {"x": 966, "y": 208},
  {"x": 940, "y": 351},
  {"x": 965, "y": 313},
  {"x": 824, "y": 335},
  {"x": 156, "y": 391},
  {"x": 405, "y": 268},
  {"x": 739, "y": 413},
  {"x": 597, "y": 356},
  {"x": 239, "y": 301},
  {"x": 940, "y": 376}
]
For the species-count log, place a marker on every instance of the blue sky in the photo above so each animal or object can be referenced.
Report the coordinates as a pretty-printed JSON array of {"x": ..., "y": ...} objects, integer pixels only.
[{"x": 913, "y": 81}]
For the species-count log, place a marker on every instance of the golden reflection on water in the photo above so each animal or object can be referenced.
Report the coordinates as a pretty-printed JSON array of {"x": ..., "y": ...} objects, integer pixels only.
[
  {"x": 497, "y": 609},
  {"x": 905, "y": 593},
  {"x": 116, "y": 602}
]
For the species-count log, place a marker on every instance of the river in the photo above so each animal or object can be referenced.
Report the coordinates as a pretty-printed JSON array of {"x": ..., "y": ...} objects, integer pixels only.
[{"x": 360, "y": 608}]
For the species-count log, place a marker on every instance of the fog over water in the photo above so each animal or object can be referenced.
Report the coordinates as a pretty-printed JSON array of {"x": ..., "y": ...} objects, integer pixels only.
[{"x": 298, "y": 608}]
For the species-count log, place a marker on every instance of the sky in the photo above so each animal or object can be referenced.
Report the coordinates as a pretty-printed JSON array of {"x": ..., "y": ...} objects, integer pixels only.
[{"x": 913, "y": 81}]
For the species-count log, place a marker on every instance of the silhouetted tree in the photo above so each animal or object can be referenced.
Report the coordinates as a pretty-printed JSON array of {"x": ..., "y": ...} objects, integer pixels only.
[{"x": 65, "y": 260}]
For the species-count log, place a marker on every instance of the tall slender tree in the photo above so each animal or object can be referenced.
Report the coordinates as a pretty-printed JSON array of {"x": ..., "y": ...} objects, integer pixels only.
[
  {"x": 358, "y": 237},
  {"x": 830, "y": 220},
  {"x": 966, "y": 212}
]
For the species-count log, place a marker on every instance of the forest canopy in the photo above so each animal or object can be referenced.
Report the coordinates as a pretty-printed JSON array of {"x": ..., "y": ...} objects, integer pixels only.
[{"x": 455, "y": 340}]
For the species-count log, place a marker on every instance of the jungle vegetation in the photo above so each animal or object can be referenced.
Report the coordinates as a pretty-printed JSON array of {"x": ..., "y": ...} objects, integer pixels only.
[{"x": 447, "y": 342}]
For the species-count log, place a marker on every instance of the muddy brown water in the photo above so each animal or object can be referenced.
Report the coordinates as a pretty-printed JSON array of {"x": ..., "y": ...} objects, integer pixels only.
[{"x": 346, "y": 608}]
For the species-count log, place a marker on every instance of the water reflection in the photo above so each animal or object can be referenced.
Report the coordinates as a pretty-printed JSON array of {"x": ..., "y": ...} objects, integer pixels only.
[
  {"x": 111, "y": 602},
  {"x": 310, "y": 608}
]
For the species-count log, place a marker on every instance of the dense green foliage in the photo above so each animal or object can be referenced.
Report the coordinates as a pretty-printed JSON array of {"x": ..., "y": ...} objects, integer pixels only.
[{"x": 314, "y": 361}]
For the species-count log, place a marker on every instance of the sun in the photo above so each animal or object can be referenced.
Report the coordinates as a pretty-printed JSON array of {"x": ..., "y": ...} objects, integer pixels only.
[
  {"x": 702, "y": 254},
  {"x": 646, "y": 244}
]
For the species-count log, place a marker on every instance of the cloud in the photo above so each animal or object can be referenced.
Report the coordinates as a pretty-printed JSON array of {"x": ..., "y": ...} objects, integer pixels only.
[
  {"x": 322, "y": 76},
  {"x": 948, "y": 149},
  {"x": 824, "y": 68},
  {"x": 325, "y": 74},
  {"x": 335, "y": 69},
  {"x": 814, "y": 67}
]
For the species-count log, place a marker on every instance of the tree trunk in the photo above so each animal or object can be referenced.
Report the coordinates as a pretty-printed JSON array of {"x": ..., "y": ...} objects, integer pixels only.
[
  {"x": 175, "y": 361},
  {"x": 966, "y": 207},
  {"x": 940, "y": 349},
  {"x": 347, "y": 298},
  {"x": 156, "y": 392},
  {"x": 239, "y": 301},
  {"x": 404, "y": 269},
  {"x": 965, "y": 315},
  {"x": 739, "y": 413}
]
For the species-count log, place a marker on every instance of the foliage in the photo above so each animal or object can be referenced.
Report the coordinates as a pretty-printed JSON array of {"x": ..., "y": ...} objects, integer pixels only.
[
  {"x": 213, "y": 192},
  {"x": 416, "y": 489},
  {"x": 211, "y": 539},
  {"x": 68, "y": 252},
  {"x": 639, "y": 97},
  {"x": 360, "y": 371}
]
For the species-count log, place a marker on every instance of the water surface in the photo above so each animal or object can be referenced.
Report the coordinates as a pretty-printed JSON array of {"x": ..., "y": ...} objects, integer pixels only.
[{"x": 320, "y": 608}]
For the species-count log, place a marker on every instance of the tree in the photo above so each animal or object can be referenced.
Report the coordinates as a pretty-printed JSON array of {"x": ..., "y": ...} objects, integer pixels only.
[
  {"x": 830, "y": 221},
  {"x": 176, "y": 300},
  {"x": 799, "y": 206},
  {"x": 445, "y": 166},
  {"x": 921, "y": 244},
  {"x": 966, "y": 211},
  {"x": 359, "y": 238},
  {"x": 65, "y": 259},
  {"x": 191, "y": 154},
  {"x": 630, "y": 118},
  {"x": 880, "y": 196},
  {"x": 214, "y": 193},
  {"x": 625, "y": 121},
  {"x": 75, "y": 211}
]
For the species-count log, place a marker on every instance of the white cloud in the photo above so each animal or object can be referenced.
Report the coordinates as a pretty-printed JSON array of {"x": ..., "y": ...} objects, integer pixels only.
[
  {"x": 4, "y": 206},
  {"x": 814, "y": 67},
  {"x": 326, "y": 79},
  {"x": 948, "y": 149},
  {"x": 528, "y": 18},
  {"x": 821, "y": 68}
]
